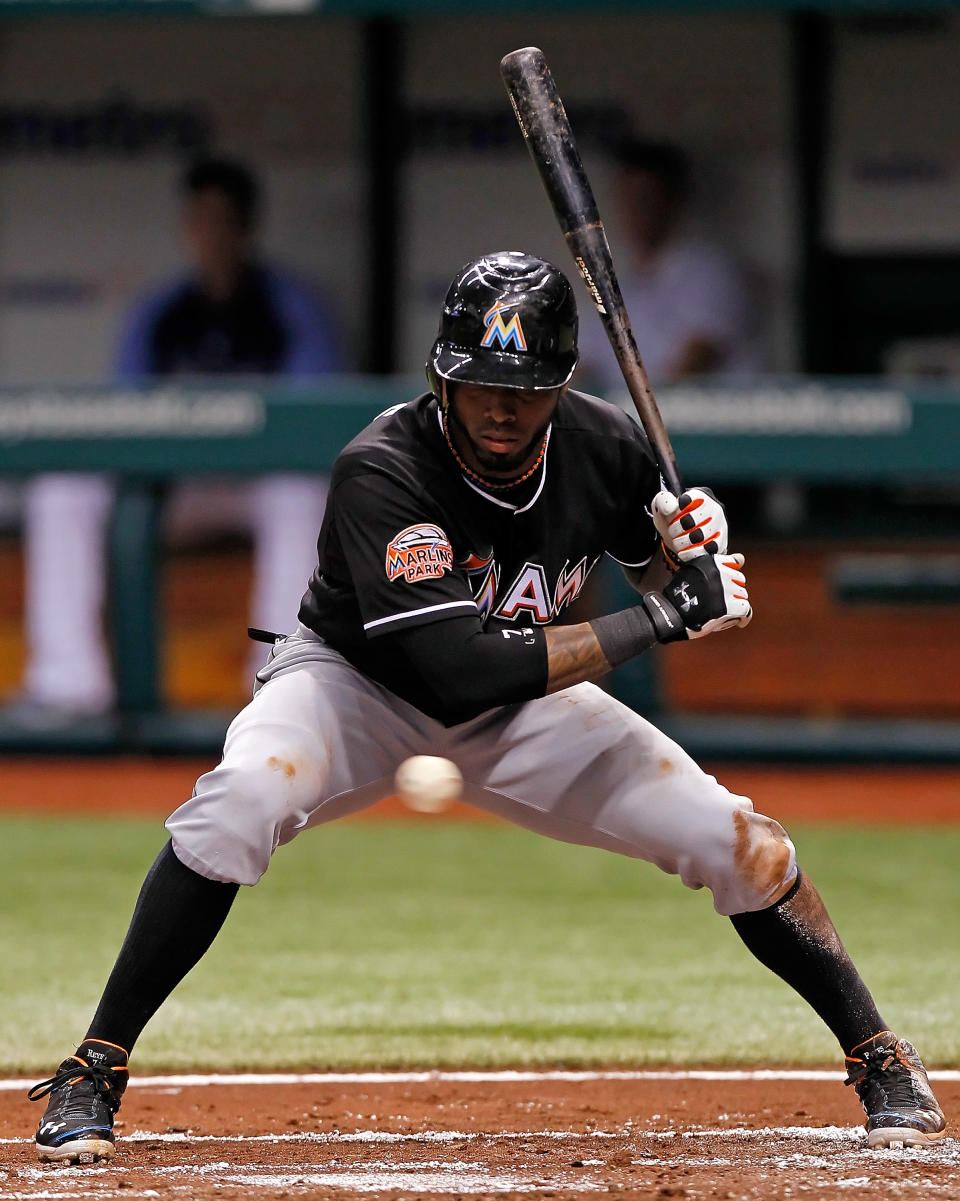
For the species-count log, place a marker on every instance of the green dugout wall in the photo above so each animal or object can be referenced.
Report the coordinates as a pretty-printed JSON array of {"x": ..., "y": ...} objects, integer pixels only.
[{"x": 856, "y": 437}]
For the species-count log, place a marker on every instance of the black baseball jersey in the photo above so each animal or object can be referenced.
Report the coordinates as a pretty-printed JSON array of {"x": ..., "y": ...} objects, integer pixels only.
[{"x": 408, "y": 539}]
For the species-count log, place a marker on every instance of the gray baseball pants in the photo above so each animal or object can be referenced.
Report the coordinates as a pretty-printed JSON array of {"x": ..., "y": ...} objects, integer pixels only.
[{"x": 319, "y": 741}]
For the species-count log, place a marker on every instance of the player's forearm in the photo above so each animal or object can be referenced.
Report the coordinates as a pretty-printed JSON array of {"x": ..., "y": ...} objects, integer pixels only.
[
  {"x": 461, "y": 671},
  {"x": 587, "y": 652},
  {"x": 574, "y": 654}
]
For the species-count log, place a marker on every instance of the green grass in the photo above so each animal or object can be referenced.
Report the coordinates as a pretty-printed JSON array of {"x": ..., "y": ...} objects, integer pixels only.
[{"x": 431, "y": 944}]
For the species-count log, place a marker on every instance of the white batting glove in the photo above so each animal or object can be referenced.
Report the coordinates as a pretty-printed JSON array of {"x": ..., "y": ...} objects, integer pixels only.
[
  {"x": 736, "y": 599},
  {"x": 704, "y": 596},
  {"x": 690, "y": 525}
]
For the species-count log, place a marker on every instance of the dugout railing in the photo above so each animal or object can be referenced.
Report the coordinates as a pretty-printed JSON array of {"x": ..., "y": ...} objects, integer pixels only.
[{"x": 852, "y": 436}]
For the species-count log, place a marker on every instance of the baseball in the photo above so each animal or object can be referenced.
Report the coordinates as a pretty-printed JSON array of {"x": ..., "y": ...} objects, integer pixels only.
[{"x": 427, "y": 783}]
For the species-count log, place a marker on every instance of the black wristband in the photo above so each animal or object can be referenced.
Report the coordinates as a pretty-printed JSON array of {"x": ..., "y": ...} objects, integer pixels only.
[
  {"x": 624, "y": 635},
  {"x": 667, "y": 623}
]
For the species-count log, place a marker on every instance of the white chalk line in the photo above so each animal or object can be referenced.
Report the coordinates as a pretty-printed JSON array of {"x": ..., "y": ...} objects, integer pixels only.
[
  {"x": 432, "y": 1176},
  {"x": 243, "y": 1079},
  {"x": 471, "y": 1177},
  {"x": 853, "y": 1135},
  {"x": 830, "y": 1134},
  {"x": 437, "y": 1184},
  {"x": 353, "y": 1136},
  {"x": 47, "y": 1195},
  {"x": 461, "y": 1184},
  {"x": 420, "y": 1182},
  {"x": 436, "y": 1176}
]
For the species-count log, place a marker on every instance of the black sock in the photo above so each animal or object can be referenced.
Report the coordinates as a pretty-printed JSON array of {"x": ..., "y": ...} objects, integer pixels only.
[
  {"x": 177, "y": 916},
  {"x": 796, "y": 939}
]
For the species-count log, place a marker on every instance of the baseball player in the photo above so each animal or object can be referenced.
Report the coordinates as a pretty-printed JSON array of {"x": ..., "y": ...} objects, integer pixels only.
[{"x": 459, "y": 527}]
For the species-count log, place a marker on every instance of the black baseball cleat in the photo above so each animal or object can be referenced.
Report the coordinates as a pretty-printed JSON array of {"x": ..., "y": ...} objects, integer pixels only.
[
  {"x": 895, "y": 1093},
  {"x": 84, "y": 1095}
]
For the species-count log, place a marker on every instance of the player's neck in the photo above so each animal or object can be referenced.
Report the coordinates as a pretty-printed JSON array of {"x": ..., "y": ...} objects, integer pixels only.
[{"x": 493, "y": 481}]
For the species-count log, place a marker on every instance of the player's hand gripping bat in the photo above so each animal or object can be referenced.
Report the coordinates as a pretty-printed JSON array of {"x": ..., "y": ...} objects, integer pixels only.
[{"x": 549, "y": 139}]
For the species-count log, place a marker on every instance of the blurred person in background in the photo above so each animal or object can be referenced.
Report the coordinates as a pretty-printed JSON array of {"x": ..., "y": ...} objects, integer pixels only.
[
  {"x": 688, "y": 304},
  {"x": 229, "y": 315}
]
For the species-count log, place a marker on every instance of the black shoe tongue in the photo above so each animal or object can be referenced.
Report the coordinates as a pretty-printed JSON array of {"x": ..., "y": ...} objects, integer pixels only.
[{"x": 100, "y": 1054}]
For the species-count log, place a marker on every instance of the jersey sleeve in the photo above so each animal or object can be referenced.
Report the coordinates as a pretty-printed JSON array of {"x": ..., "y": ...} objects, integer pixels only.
[
  {"x": 398, "y": 554},
  {"x": 633, "y": 540}
]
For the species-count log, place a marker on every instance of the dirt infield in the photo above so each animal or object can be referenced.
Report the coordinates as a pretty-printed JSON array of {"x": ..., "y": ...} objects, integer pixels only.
[
  {"x": 908, "y": 796},
  {"x": 645, "y": 1137}
]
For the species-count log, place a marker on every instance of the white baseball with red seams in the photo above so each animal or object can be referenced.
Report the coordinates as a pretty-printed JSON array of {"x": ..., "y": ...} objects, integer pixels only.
[{"x": 428, "y": 783}]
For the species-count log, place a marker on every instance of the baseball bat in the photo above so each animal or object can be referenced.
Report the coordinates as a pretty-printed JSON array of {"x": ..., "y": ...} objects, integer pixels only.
[{"x": 546, "y": 130}]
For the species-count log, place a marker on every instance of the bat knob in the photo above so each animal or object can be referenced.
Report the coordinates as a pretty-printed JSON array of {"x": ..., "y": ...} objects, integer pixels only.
[{"x": 518, "y": 63}]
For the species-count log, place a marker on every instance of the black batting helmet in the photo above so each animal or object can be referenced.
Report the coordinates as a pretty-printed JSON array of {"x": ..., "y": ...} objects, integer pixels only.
[{"x": 508, "y": 319}]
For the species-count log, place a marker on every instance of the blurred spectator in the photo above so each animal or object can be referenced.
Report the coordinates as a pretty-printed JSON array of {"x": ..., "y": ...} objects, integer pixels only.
[
  {"x": 688, "y": 305},
  {"x": 231, "y": 314}
]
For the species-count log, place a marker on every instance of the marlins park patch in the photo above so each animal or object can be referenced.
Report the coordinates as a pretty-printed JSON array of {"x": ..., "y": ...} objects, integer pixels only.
[{"x": 420, "y": 552}]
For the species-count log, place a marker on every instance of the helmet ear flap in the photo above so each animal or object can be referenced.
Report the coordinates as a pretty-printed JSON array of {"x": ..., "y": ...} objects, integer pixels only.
[
  {"x": 434, "y": 379},
  {"x": 440, "y": 387}
]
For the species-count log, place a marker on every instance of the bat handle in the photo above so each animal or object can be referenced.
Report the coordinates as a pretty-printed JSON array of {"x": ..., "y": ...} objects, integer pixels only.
[{"x": 549, "y": 138}]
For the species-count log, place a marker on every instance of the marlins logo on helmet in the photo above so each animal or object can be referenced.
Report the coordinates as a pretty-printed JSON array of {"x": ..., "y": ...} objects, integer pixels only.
[
  {"x": 420, "y": 552},
  {"x": 502, "y": 332}
]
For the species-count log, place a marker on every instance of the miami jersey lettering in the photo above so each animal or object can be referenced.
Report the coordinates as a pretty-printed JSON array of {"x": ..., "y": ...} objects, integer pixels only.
[
  {"x": 484, "y": 575},
  {"x": 530, "y": 594},
  {"x": 420, "y": 552}
]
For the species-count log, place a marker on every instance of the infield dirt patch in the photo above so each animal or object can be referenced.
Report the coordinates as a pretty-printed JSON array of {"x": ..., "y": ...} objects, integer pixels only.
[
  {"x": 155, "y": 787},
  {"x": 639, "y": 1138}
]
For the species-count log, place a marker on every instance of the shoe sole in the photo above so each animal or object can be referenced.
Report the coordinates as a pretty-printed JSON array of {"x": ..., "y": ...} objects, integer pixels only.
[
  {"x": 80, "y": 1150},
  {"x": 899, "y": 1136}
]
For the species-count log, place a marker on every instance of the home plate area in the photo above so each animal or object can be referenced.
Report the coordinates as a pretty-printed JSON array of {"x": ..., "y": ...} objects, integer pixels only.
[{"x": 472, "y": 1135}]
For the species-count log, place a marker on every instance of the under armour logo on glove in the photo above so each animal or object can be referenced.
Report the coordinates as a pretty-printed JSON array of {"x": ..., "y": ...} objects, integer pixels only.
[{"x": 688, "y": 602}]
